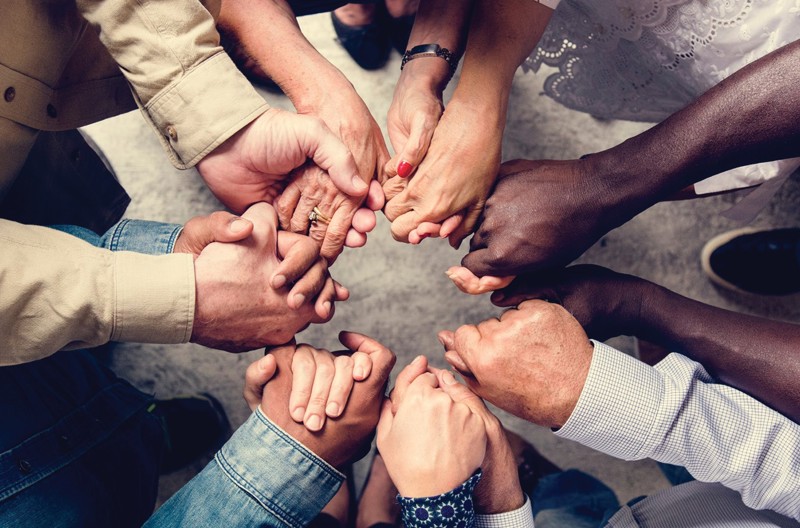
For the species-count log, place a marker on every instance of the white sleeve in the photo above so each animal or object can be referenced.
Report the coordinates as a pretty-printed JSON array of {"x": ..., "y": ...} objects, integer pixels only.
[{"x": 522, "y": 517}]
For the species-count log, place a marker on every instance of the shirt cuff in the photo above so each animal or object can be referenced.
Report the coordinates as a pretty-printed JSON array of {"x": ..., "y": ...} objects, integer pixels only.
[
  {"x": 618, "y": 405},
  {"x": 454, "y": 508},
  {"x": 196, "y": 114},
  {"x": 522, "y": 517},
  {"x": 154, "y": 298},
  {"x": 142, "y": 236},
  {"x": 283, "y": 475}
]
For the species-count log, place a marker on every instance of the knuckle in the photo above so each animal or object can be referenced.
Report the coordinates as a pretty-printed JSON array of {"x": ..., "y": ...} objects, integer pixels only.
[{"x": 343, "y": 362}]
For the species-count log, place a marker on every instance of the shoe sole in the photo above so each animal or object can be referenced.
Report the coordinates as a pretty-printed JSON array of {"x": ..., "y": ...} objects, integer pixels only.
[{"x": 711, "y": 246}]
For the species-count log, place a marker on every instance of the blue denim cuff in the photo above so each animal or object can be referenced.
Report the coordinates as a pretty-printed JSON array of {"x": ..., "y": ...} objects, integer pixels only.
[
  {"x": 142, "y": 236},
  {"x": 454, "y": 508},
  {"x": 283, "y": 475}
]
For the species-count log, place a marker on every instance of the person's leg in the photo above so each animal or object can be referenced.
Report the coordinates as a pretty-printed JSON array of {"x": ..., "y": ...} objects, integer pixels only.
[
  {"x": 77, "y": 445},
  {"x": 572, "y": 498}
]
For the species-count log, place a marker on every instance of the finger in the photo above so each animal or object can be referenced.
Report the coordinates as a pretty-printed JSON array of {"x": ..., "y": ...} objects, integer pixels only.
[
  {"x": 423, "y": 231},
  {"x": 447, "y": 338},
  {"x": 332, "y": 156},
  {"x": 226, "y": 227},
  {"x": 257, "y": 375},
  {"x": 354, "y": 239},
  {"x": 455, "y": 361},
  {"x": 265, "y": 227},
  {"x": 398, "y": 205},
  {"x": 342, "y": 293},
  {"x": 300, "y": 222},
  {"x": 303, "y": 371},
  {"x": 450, "y": 225},
  {"x": 323, "y": 306},
  {"x": 469, "y": 283},
  {"x": 287, "y": 203},
  {"x": 479, "y": 262},
  {"x": 413, "y": 370},
  {"x": 466, "y": 227},
  {"x": 404, "y": 224},
  {"x": 522, "y": 290},
  {"x": 419, "y": 139},
  {"x": 392, "y": 188},
  {"x": 341, "y": 385},
  {"x": 336, "y": 233},
  {"x": 382, "y": 358},
  {"x": 362, "y": 365},
  {"x": 299, "y": 254},
  {"x": 323, "y": 377},
  {"x": 309, "y": 287},
  {"x": 375, "y": 198},
  {"x": 364, "y": 220}
]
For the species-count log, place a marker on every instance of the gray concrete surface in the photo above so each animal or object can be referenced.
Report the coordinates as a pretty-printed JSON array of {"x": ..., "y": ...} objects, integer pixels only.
[{"x": 400, "y": 294}]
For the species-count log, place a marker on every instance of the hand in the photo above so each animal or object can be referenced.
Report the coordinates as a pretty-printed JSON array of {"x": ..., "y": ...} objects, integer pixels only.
[
  {"x": 346, "y": 438},
  {"x": 245, "y": 298},
  {"x": 453, "y": 180},
  {"x": 468, "y": 282},
  {"x": 321, "y": 381},
  {"x": 532, "y": 362},
  {"x": 605, "y": 303},
  {"x": 542, "y": 214},
  {"x": 252, "y": 165},
  {"x": 499, "y": 489},
  {"x": 220, "y": 226},
  {"x": 432, "y": 444},
  {"x": 309, "y": 187}
]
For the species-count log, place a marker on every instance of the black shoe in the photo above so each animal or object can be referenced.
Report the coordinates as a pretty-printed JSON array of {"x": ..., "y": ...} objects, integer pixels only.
[
  {"x": 765, "y": 262},
  {"x": 193, "y": 426},
  {"x": 369, "y": 45},
  {"x": 399, "y": 31}
]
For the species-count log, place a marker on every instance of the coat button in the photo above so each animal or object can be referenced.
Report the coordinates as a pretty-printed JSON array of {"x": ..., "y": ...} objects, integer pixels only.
[
  {"x": 9, "y": 94},
  {"x": 172, "y": 133},
  {"x": 24, "y": 466},
  {"x": 51, "y": 111}
]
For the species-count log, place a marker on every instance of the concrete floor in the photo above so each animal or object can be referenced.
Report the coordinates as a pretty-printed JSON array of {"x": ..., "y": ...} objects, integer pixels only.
[{"x": 400, "y": 294}]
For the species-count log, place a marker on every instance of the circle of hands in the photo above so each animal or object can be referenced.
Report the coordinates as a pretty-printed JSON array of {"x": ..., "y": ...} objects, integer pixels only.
[{"x": 271, "y": 262}]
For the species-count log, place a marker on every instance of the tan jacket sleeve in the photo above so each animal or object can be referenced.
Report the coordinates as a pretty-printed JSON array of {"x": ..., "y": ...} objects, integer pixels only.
[
  {"x": 186, "y": 85},
  {"x": 57, "y": 291}
]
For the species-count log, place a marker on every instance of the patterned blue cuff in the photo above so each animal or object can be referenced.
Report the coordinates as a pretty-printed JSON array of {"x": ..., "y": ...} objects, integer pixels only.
[{"x": 454, "y": 508}]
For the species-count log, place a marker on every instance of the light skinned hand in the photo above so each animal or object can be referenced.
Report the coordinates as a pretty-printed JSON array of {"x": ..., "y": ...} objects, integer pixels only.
[
  {"x": 499, "y": 489},
  {"x": 431, "y": 444},
  {"x": 220, "y": 226},
  {"x": 238, "y": 307},
  {"x": 454, "y": 179},
  {"x": 467, "y": 282},
  {"x": 253, "y": 165},
  {"x": 532, "y": 362},
  {"x": 580, "y": 289},
  {"x": 346, "y": 438}
]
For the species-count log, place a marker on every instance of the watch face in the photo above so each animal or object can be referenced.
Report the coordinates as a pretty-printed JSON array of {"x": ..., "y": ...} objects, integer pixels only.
[{"x": 424, "y": 48}]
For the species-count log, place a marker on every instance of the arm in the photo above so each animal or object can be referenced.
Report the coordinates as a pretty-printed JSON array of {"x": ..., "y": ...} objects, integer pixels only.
[
  {"x": 752, "y": 116},
  {"x": 757, "y": 356},
  {"x": 673, "y": 412},
  {"x": 461, "y": 165}
]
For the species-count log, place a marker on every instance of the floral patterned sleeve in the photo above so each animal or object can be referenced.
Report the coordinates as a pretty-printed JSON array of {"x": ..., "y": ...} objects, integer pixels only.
[{"x": 452, "y": 509}]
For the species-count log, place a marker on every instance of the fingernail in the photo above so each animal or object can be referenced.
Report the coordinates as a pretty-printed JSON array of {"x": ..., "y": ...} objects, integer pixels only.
[
  {"x": 448, "y": 378},
  {"x": 239, "y": 225},
  {"x": 404, "y": 169},
  {"x": 417, "y": 360},
  {"x": 327, "y": 307},
  {"x": 332, "y": 409},
  {"x": 297, "y": 414},
  {"x": 278, "y": 281},
  {"x": 314, "y": 422},
  {"x": 441, "y": 340},
  {"x": 358, "y": 372},
  {"x": 358, "y": 183},
  {"x": 299, "y": 299}
]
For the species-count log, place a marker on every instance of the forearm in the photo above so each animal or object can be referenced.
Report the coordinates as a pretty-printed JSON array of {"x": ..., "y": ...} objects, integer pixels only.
[
  {"x": 268, "y": 33},
  {"x": 752, "y": 116},
  {"x": 756, "y": 355},
  {"x": 502, "y": 34}
]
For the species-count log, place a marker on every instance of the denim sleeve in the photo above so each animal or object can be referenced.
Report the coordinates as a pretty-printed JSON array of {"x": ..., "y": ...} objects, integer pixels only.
[
  {"x": 139, "y": 236},
  {"x": 454, "y": 508},
  {"x": 260, "y": 477}
]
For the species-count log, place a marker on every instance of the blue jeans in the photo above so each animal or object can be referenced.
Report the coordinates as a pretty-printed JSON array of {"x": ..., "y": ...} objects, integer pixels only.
[
  {"x": 77, "y": 445},
  {"x": 572, "y": 498}
]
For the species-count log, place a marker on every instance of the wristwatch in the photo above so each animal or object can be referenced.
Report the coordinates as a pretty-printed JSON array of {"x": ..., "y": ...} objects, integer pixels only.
[{"x": 431, "y": 50}]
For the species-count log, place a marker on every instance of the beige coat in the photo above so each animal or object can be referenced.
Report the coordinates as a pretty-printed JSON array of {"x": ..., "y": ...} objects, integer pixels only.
[{"x": 64, "y": 64}]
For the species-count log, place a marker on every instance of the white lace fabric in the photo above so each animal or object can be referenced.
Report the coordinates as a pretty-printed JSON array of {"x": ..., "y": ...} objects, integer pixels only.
[{"x": 643, "y": 60}]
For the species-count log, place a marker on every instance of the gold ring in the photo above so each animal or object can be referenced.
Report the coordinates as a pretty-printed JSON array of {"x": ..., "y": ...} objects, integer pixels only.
[{"x": 317, "y": 216}]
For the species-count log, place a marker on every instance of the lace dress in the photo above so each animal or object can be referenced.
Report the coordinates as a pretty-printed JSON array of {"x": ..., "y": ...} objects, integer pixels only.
[{"x": 643, "y": 60}]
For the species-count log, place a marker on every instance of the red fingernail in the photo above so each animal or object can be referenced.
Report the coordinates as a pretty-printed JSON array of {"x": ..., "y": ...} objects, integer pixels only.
[{"x": 404, "y": 169}]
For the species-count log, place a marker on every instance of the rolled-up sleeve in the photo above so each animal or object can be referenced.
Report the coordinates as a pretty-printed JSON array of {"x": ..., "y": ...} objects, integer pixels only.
[
  {"x": 57, "y": 292},
  {"x": 186, "y": 85}
]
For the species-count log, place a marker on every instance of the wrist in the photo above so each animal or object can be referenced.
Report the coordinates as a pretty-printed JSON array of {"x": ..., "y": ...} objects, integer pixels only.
[{"x": 430, "y": 74}]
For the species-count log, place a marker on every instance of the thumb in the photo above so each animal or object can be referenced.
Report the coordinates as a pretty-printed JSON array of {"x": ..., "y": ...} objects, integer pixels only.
[
  {"x": 216, "y": 227},
  {"x": 415, "y": 148},
  {"x": 257, "y": 375},
  {"x": 332, "y": 156}
]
